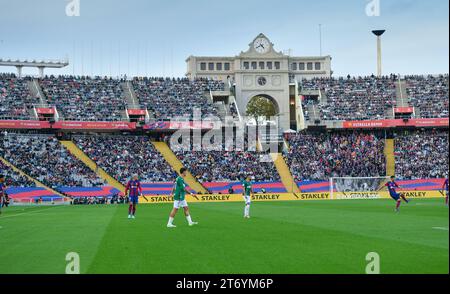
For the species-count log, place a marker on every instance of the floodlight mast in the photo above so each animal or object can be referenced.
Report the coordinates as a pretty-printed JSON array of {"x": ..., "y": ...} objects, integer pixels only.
[{"x": 379, "y": 33}]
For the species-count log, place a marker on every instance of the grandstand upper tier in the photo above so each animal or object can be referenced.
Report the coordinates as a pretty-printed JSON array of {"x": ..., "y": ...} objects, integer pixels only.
[
  {"x": 103, "y": 99},
  {"x": 301, "y": 89}
]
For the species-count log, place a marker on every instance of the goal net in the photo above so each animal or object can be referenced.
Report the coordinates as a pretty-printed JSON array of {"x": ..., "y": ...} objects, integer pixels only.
[{"x": 356, "y": 188}]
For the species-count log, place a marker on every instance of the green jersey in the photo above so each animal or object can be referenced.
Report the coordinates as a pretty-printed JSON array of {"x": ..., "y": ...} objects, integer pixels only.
[
  {"x": 180, "y": 191},
  {"x": 247, "y": 188}
]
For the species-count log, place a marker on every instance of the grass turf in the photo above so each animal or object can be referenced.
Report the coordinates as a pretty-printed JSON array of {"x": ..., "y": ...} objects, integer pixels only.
[{"x": 281, "y": 237}]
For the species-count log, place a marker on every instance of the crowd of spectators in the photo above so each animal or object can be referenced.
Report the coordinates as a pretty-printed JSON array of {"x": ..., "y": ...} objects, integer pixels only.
[
  {"x": 170, "y": 98},
  {"x": 429, "y": 94},
  {"x": 227, "y": 163},
  {"x": 354, "y": 98},
  {"x": 15, "y": 98},
  {"x": 421, "y": 154},
  {"x": 45, "y": 159},
  {"x": 85, "y": 98},
  {"x": 102, "y": 99},
  {"x": 13, "y": 178},
  {"x": 319, "y": 156},
  {"x": 308, "y": 101},
  {"x": 124, "y": 156}
]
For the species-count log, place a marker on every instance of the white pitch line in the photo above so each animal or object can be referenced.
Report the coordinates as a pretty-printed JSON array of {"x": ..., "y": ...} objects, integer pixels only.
[
  {"x": 440, "y": 228},
  {"x": 31, "y": 212}
]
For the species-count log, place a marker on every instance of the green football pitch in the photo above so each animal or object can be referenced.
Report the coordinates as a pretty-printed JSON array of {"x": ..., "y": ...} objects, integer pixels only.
[{"x": 281, "y": 237}]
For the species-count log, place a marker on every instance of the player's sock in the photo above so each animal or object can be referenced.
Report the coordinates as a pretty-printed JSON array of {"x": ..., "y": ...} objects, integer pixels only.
[
  {"x": 170, "y": 221},
  {"x": 189, "y": 219},
  {"x": 247, "y": 208},
  {"x": 130, "y": 209},
  {"x": 134, "y": 209},
  {"x": 404, "y": 198},
  {"x": 399, "y": 202},
  {"x": 446, "y": 200}
]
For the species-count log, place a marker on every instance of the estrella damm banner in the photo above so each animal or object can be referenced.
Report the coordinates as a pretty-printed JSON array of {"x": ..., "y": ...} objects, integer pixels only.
[{"x": 211, "y": 198}]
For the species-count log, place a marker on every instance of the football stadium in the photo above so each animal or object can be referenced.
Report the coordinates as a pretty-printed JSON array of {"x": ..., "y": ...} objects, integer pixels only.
[{"x": 221, "y": 151}]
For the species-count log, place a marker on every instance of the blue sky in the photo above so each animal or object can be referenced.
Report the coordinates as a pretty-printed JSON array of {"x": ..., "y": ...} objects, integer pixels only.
[{"x": 154, "y": 37}]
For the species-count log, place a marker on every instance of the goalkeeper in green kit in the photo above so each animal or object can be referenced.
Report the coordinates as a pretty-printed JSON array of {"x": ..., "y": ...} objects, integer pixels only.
[{"x": 179, "y": 193}]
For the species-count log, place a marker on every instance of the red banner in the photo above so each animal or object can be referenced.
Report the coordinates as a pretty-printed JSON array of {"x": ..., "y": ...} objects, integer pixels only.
[
  {"x": 90, "y": 125},
  {"x": 404, "y": 110},
  {"x": 45, "y": 110},
  {"x": 24, "y": 124},
  {"x": 136, "y": 112},
  {"x": 392, "y": 123}
]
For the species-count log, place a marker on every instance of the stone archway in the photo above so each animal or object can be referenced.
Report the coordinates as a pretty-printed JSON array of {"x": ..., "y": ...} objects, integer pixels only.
[{"x": 269, "y": 99}]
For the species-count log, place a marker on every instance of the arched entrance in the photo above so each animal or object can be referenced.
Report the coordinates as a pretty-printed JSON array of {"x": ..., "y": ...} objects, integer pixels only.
[{"x": 262, "y": 105}]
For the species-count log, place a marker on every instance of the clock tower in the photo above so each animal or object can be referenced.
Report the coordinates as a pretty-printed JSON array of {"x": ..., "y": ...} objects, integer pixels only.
[{"x": 262, "y": 71}]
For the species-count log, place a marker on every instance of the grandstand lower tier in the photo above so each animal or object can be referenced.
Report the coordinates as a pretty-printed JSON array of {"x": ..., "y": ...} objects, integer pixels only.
[{"x": 161, "y": 192}]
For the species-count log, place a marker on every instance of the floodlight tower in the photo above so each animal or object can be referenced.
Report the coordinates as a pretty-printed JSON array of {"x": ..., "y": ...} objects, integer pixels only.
[{"x": 379, "y": 33}]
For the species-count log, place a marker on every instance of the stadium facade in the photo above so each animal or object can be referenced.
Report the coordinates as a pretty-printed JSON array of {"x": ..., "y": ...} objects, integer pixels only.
[{"x": 262, "y": 71}]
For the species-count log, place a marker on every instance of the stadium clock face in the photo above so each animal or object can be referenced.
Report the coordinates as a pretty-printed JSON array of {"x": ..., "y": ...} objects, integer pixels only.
[
  {"x": 262, "y": 81},
  {"x": 262, "y": 45}
]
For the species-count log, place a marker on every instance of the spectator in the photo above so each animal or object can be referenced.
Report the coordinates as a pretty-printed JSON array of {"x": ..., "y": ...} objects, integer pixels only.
[
  {"x": 325, "y": 155},
  {"x": 85, "y": 98},
  {"x": 122, "y": 157},
  {"x": 421, "y": 154},
  {"x": 171, "y": 98},
  {"x": 43, "y": 158}
]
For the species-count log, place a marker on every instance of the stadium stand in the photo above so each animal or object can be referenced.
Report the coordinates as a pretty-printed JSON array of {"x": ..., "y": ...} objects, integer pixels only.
[
  {"x": 422, "y": 154},
  {"x": 85, "y": 98},
  {"x": 15, "y": 98},
  {"x": 429, "y": 94},
  {"x": 103, "y": 99},
  {"x": 43, "y": 158},
  {"x": 312, "y": 157},
  {"x": 122, "y": 157},
  {"x": 170, "y": 98},
  {"x": 324, "y": 155},
  {"x": 228, "y": 165},
  {"x": 357, "y": 98},
  {"x": 13, "y": 178}
]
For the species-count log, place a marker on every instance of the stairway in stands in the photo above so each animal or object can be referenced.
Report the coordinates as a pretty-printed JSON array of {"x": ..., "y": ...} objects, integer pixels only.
[
  {"x": 285, "y": 173},
  {"x": 402, "y": 95},
  {"x": 389, "y": 150},
  {"x": 22, "y": 173},
  {"x": 130, "y": 95},
  {"x": 313, "y": 112},
  {"x": 36, "y": 91},
  {"x": 176, "y": 165},
  {"x": 77, "y": 152}
]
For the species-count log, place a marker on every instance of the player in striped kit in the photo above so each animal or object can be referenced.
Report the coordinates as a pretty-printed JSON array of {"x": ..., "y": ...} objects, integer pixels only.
[{"x": 135, "y": 189}]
